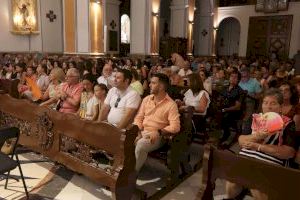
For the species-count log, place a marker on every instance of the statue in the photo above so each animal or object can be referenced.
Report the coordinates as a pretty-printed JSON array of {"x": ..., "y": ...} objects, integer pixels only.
[{"x": 25, "y": 14}]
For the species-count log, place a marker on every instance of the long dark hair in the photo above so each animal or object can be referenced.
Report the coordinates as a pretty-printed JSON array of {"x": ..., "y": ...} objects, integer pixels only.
[
  {"x": 196, "y": 83},
  {"x": 294, "y": 99}
]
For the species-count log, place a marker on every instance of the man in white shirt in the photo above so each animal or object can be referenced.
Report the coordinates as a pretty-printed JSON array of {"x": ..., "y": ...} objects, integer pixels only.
[
  {"x": 107, "y": 77},
  {"x": 122, "y": 102}
]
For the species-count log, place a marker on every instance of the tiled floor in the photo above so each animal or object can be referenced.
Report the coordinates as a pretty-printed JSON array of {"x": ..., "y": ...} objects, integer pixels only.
[{"x": 45, "y": 180}]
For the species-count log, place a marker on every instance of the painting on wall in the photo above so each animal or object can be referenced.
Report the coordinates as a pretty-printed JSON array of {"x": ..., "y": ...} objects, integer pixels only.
[
  {"x": 283, "y": 5},
  {"x": 271, "y": 6},
  {"x": 24, "y": 16},
  {"x": 260, "y": 5}
]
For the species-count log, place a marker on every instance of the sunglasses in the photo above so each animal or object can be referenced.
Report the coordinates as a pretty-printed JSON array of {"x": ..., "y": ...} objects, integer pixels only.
[{"x": 117, "y": 102}]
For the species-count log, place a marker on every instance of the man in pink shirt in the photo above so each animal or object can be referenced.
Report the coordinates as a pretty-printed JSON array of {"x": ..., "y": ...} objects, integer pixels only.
[
  {"x": 157, "y": 115},
  {"x": 69, "y": 96}
]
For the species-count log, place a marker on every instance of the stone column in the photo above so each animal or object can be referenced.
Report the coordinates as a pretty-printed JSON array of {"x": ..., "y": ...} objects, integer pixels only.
[
  {"x": 182, "y": 21},
  {"x": 111, "y": 26},
  {"x": 82, "y": 21},
  {"x": 69, "y": 7},
  {"x": 204, "y": 31},
  {"x": 139, "y": 27},
  {"x": 96, "y": 27},
  {"x": 179, "y": 18}
]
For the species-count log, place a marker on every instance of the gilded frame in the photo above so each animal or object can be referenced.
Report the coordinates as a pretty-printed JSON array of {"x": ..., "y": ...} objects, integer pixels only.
[
  {"x": 283, "y": 5},
  {"x": 24, "y": 17}
]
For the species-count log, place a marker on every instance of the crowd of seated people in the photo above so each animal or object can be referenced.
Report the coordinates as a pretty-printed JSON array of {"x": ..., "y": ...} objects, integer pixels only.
[{"x": 150, "y": 93}]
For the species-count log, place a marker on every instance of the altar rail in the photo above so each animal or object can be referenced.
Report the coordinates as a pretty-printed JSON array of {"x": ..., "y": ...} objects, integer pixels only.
[{"x": 73, "y": 142}]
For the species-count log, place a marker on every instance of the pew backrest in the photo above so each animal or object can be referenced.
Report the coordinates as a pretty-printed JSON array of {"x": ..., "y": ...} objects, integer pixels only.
[
  {"x": 10, "y": 87},
  {"x": 276, "y": 181},
  {"x": 67, "y": 139}
]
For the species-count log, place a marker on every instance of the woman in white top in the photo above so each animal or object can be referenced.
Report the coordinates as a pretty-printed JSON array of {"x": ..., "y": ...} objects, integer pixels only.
[
  {"x": 56, "y": 77},
  {"x": 198, "y": 98}
]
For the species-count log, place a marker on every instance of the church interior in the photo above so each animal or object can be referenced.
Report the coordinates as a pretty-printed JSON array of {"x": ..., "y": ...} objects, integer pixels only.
[{"x": 149, "y": 99}]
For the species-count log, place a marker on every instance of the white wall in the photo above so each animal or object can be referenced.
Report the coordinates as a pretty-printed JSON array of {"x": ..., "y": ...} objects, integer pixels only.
[
  {"x": 49, "y": 38},
  {"x": 10, "y": 42},
  {"x": 179, "y": 18},
  {"x": 83, "y": 41},
  {"x": 138, "y": 27},
  {"x": 112, "y": 13},
  {"x": 51, "y": 32},
  {"x": 242, "y": 13}
]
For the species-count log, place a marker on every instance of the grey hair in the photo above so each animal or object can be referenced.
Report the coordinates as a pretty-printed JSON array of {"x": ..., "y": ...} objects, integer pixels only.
[
  {"x": 74, "y": 72},
  {"x": 274, "y": 92}
]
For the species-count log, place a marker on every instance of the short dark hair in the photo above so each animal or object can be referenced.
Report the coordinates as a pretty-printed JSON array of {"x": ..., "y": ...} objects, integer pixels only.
[
  {"x": 236, "y": 71},
  {"x": 164, "y": 79},
  {"x": 44, "y": 67},
  {"x": 126, "y": 73},
  {"x": 134, "y": 73},
  {"x": 245, "y": 69},
  {"x": 23, "y": 66},
  {"x": 102, "y": 86},
  {"x": 89, "y": 77}
]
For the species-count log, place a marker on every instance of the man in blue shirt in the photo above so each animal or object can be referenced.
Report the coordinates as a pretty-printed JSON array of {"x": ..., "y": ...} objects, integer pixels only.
[{"x": 253, "y": 89}]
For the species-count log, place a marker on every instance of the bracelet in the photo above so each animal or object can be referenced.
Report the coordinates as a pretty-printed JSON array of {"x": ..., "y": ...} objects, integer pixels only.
[{"x": 259, "y": 147}]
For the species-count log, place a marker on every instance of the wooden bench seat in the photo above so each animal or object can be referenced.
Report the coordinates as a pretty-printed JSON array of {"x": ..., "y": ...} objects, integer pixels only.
[
  {"x": 68, "y": 140},
  {"x": 277, "y": 182}
]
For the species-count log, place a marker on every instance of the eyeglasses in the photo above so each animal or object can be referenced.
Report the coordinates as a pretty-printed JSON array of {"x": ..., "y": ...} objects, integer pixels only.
[{"x": 117, "y": 102}]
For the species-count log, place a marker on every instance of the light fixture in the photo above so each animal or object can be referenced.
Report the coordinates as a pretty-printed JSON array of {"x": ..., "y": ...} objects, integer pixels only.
[
  {"x": 191, "y": 22},
  {"x": 216, "y": 28}
]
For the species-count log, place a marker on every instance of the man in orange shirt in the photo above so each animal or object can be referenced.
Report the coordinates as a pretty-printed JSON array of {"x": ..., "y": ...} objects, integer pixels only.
[{"x": 157, "y": 115}]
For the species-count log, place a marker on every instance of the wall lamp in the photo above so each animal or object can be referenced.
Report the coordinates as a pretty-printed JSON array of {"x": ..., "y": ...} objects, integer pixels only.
[{"x": 191, "y": 22}]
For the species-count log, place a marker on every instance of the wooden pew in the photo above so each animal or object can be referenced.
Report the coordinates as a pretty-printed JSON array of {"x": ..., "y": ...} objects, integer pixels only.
[
  {"x": 175, "y": 154},
  {"x": 10, "y": 87},
  {"x": 66, "y": 139},
  {"x": 276, "y": 181}
]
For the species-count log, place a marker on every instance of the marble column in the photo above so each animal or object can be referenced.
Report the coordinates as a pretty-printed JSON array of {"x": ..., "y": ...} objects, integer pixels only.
[
  {"x": 111, "y": 26},
  {"x": 140, "y": 27},
  {"x": 204, "y": 32},
  {"x": 69, "y": 7},
  {"x": 182, "y": 21},
  {"x": 82, "y": 22}
]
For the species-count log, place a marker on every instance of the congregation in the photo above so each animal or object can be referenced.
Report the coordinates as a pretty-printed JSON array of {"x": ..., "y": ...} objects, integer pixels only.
[{"x": 223, "y": 91}]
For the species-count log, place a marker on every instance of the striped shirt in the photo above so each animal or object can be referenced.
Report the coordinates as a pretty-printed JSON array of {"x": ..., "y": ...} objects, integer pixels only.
[{"x": 287, "y": 137}]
